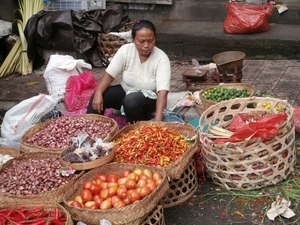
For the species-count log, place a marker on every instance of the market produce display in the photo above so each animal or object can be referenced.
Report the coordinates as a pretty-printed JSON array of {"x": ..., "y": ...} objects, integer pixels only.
[
  {"x": 113, "y": 190},
  {"x": 58, "y": 133},
  {"x": 38, "y": 215},
  {"x": 219, "y": 94},
  {"x": 32, "y": 176},
  {"x": 152, "y": 145}
]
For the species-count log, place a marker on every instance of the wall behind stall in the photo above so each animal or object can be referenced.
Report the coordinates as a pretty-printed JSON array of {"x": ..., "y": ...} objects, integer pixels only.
[{"x": 7, "y": 9}]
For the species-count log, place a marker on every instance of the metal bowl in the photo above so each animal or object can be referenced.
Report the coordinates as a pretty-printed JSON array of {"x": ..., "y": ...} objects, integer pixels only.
[{"x": 227, "y": 61}]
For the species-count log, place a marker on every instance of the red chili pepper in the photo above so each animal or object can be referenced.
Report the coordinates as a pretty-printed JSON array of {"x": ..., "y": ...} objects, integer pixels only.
[
  {"x": 56, "y": 212},
  {"x": 55, "y": 222}
]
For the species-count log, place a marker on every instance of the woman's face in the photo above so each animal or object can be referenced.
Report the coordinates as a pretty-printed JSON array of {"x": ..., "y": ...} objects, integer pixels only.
[{"x": 144, "y": 41}]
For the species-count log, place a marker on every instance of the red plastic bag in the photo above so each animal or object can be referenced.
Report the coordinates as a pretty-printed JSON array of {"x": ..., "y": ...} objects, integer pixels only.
[
  {"x": 297, "y": 118},
  {"x": 79, "y": 89},
  {"x": 264, "y": 127},
  {"x": 245, "y": 19}
]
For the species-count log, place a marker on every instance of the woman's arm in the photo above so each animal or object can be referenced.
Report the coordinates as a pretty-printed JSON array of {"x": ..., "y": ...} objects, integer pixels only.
[
  {"x": 104, "y": 83},
  {"x": 161, "y": 104}
]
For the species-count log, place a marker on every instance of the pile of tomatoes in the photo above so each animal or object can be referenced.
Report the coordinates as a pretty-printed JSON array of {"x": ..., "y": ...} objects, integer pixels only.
[{"x": 113, "y": 190}]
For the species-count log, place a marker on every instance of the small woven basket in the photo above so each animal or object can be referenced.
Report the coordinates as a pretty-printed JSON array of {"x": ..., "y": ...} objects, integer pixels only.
[
  {"x": 204, "y": 103},
  {"x": 25, "y": 147},
  {"x": 183, "y": 188},
  {"x": 133, "y": 213},
  {"x": 175, "y": 169},
  {"x": 34, "y": 205},
  {"x": 55, "y": 195},
  {"x": 253, "y": 163},
  {"x": 109, "y": 44}
]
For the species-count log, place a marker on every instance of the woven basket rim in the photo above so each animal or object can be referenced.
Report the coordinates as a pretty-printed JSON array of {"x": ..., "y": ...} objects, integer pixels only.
[{"x": 249, "y": 87}]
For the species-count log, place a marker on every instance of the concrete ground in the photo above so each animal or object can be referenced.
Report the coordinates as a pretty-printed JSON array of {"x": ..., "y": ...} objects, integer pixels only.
[{"x": 210, "y": 204}]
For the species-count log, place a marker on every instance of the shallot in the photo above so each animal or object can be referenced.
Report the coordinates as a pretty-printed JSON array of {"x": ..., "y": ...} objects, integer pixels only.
[
  {"x": 59, "y": 132},
  {"x": 32, "y": 176}
]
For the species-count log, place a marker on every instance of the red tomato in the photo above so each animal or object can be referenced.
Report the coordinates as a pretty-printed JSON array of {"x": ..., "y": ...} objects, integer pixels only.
[
  {"x": 75, "y": 204},
  {"x": 95, "y": 189},
  {"x": 119, "y": 204},
  {"x": 133, "y": 196},
  {"x": 158, "y": 181},
  {"x": 133, "y": 176},
  {"x": 130, "y": 184},
  {"x": 122, "y": 180},
  {"x": 98, "y": 181},
  {"x": 78, "y": 199},
  {"x": 112, "y": 184},
  {"x": 104, "y": 185},
  {"x": 141, "y": 183},
  {"x": 112, "y": 191},
  {"x": 144, "y": 191},
  {"x": 104, "y": 193},
  {"x": 148, "y": 172},
  {"x": 151, "y": 184},
  {"x": 115, "y": 199},
  {"x": 86, "y": 195},
  {"x": 122, "y": 191},
  {"x": 97, "y": 198},
  {"x": 125, "y": 173},
  {"x": 156, "y": 176},
  {"x": 143, "y": 177},
  {"x": 106, "y": 204},
  {"x": 138, "y": 171},
  {"x": 126, "y": 201},
  {"x": 112, "y": 178},
  {"x": 87, "y": 185},
  {"x": 90, "y": 205},
  {"x": 102, "y": 177}
]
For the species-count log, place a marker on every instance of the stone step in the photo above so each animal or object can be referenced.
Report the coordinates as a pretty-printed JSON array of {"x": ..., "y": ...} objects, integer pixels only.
[{"x": 203, "y": 39}]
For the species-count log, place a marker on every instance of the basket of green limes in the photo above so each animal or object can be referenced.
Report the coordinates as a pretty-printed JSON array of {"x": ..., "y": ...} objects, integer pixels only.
[{"x": 223, "y": 92}]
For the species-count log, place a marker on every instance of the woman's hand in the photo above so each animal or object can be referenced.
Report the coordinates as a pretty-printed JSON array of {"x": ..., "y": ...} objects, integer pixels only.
[
  {"x": 98, "y": 101},
  {"x": 104, "y": 82}
]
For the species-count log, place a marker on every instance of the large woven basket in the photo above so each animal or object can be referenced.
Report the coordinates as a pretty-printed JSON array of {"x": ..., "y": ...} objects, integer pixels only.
[
  {"x": 133, "y": 213},
  {"x": 109, "y": 44},
  {"x": 55, "y": 195},
  {"x": 175, "y": 169},
  {"x": 25, "y": 147},
  {"x": 9, "y": 151},
  {"x": 253, "y": 163},
  {"x": 48, "y": 206},
  {"x": 183, "y": 188},
  {"x": 204, "y": 103}
]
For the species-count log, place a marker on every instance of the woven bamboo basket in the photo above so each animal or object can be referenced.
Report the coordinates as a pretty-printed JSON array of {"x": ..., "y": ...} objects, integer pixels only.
[
  {"x": 55, "y": 195},
  {"x": 26, "y": 147},
  {"x": 175, "y": 169},
  {"x": 109, "y": 44},
  {"x": 131, "y": 214},
  {"x": 155, "y": 217},
  {"x": 9, "y": 151},
  {"x": 253, "y": 163},
  {"x": 48, "y": 206},
  {"x": 183, "y": 188},
  {"x": 204, "y": 103}
]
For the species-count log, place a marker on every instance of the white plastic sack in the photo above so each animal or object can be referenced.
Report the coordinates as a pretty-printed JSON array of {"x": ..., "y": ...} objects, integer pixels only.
[
  {"x": 58, "y": 70},
  {"x": 23, "y": 116}
]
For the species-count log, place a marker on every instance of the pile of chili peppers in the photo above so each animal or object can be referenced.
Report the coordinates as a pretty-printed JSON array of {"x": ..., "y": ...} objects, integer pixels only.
[
  {"x": 151, "y": 145},
  {"x": 35, "y": 216}
]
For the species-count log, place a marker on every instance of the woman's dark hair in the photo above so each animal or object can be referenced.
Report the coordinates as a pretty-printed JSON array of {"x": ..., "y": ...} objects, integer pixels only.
[{"x": 139, "y": 24}]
